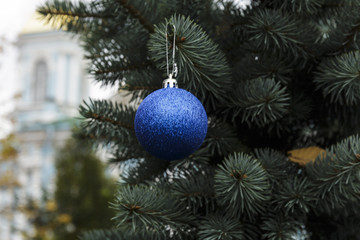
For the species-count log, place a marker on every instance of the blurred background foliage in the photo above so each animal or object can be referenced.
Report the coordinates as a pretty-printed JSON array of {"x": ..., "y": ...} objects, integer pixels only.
[{"x": 81, "y": 199}]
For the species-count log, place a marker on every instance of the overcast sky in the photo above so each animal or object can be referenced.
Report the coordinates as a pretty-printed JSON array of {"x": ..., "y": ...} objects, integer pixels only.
[{"x": 13, "y": 14}]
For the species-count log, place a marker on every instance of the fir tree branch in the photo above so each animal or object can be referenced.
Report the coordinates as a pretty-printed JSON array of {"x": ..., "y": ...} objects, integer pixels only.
[
  {"x": 259, "y": 65},
  {"x": 196, "y": 192},
  {"x": 141, "y": 168},
  {"x": 115, "y": 234},
  {"x": 137, "y": 14},
  {"x": 351, "y": 36},
  {"x": 122, "y": 69},
  {"x": 126, "y": 151},
  {"x": 108, "y": 119},
  {"x": 339, "y": 78},
  {"x": 275, "y": 163},
  {"x": 118, "y": 42},
  {"x": 149, "y": 210},
  {"x": 100, "y": 118},
  {"x": 54, "y": 11},
  {"x": 273, "y": 31},
  {"x": 196, "y": 160},
  {"x": 303, "y": 7},
  {"x": 74, "y": 17},
  {"x": 334, "y": 176},
  {"x": 279, "y": 227},
  {"x": 109, "y": 73},
  {"x": 142, "y": 83},
  {"x": 294, "y": 196},
  {"x": 260, "y": 101},
  {"x": 83, "y": 135},
  {"x": 117, "y": 59},
  {"x": 221, "y": 139},
  {"x": 105, "y": 234},
  {"x": 242, "y": 185},
  {"x": 221, "y": 228},
  {"x": 207, "y": 77}
]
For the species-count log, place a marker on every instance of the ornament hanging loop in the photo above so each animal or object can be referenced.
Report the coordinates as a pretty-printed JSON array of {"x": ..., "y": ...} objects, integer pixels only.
[{"x": 170, "y": 81}]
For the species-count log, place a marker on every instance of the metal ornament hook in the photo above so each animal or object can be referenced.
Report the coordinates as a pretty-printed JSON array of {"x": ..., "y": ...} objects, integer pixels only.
[{"x": 174, "y": 70}]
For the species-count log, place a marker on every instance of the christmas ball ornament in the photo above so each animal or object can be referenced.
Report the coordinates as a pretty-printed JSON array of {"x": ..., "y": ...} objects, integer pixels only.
[{"x": 171, "y": 123}]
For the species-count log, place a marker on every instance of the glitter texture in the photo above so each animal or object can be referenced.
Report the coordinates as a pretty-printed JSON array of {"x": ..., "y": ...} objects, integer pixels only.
[{"x": 171, "y": 123}]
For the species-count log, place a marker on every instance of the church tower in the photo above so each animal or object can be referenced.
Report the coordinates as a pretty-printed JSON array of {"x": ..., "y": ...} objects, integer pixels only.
[{"x": 52, "y": 81}]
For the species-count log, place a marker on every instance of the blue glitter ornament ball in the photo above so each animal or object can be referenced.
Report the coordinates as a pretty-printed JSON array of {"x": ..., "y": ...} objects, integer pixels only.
[{"x": 171, "y": 123}]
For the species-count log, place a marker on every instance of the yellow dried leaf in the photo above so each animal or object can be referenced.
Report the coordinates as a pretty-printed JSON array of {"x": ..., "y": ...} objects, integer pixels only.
[
  {"x": 64, "y": 218},
  {"x": 51, "y": 206},
  {"x": 302, "y": 156}
]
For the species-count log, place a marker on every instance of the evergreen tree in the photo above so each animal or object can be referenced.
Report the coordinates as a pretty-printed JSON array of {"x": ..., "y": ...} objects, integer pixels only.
[
  {"x": 82, "y": 193},
  {"x": 81, "y": 199},
  {"x": 276, "y": 76},
  {"x": 9, "y": 181}
]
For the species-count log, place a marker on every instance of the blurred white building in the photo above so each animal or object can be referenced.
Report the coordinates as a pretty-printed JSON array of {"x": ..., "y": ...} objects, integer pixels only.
[{"x": 52, "y": 83}]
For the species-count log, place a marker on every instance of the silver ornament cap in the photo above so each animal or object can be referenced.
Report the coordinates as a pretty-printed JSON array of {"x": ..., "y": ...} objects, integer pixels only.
[{"x": 170, "y": 82}]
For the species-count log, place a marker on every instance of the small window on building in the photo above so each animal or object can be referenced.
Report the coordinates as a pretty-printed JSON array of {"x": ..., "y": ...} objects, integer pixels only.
[{"x": 40, "y": 81}]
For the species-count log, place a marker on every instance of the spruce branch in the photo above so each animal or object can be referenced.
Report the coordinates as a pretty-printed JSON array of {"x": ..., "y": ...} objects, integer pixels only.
[
  {"x": 207, "y": 77},
  {"x": 326, "y": 37},
  {"x": 147, "y": 209},
  {"x": 349, "y": 27},
  {"x": 122, "y": 69},
  {"x": 303, "y": 7},
  {"x": 294, "y": 196},
  {"x": 126, "y": 151},
  {"x": 335, "y": 175},
  {"x": 88, "y": 136},
  {"x": 256, "y": 70},
  {"x": 75, "y": 17},
  {"x": 275, "y": 163},
  {"x": 196, "y": 190},
  {"x": 307, "y": 7},
  {"x": 141, "y": 168},
  {"x": 279, "y": 227},
  {"x": 195, "y": 9},
  {"x": 113, "y": 55},
  {"x": 107, "y": 112},
  {"x": 221, "y": 139},
  {"x": 124, "y": 154},
  {"x": 196, "y": 160},
  {"x": 352, "y": 37},
  {"x": 298, "y": 111},
  {"x": 260, "y": 101},
  {"x": 335, "y": 31},
  {"x": 137, "y": 14},
  {"x": 339, "y": 78},
  {"x": 337, "y": 4},
  {"x": 141, "y": 83},
  {"x": 257, "y": 65},
  {"x": 113, "y": 60},
  {"x": 66, "y": 8},
  {"x": 112, "y": 72},
  {"x": 218, "y": 227},
  {"x": 242, "y": 185},
  {"x": 108, "y": 235},
  {"x": 104, "y": 118},
  {"x": 273, "y": 31}
]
